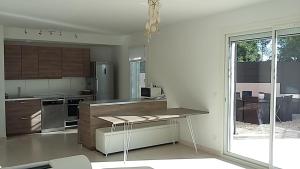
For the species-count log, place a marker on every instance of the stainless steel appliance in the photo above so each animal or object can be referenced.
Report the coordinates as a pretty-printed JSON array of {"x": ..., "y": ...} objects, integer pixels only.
[
  {"x": 102, "y": 80},
  {"x": 72, "y": 106},
  {"x": 53, "y": 114}
]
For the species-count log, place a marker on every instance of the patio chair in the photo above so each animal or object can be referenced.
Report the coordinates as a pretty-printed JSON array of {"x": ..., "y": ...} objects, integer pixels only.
[
  {"x": 283, "y": 106},
  {"x": 256, "y": 111}
]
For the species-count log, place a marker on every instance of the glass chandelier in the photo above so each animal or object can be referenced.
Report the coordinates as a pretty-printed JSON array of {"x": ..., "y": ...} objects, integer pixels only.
[{"x": 153, "y": 18}]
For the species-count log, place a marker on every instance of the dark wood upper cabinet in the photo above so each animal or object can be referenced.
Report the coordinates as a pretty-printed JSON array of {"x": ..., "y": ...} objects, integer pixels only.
[
  {"x": 12, "y": 62},
  {"x": 86, "y": 62},
  {"x": 50, "y": 62},
  {"x": 72, "y": 62},
  {"x": 30, "y": 62},
  {"x": 37, "y": 62}
]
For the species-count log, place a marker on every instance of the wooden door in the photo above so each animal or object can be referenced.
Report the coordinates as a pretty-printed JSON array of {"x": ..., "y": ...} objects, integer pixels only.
[
  {"x": 72, "y": 62},
  {"x": 86, "y": 62},
  {"x": 30, "y": 62},
  {"x": 12, "y": 62},
  {"x": 50, "y": 62}
]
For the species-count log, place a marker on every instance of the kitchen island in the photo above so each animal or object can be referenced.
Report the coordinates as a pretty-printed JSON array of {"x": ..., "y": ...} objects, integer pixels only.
[{"x": 90, "y": 110}]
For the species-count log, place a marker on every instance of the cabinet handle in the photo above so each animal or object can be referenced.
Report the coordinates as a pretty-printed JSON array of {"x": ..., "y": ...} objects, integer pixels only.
[
  {"x": 97, "y": 85},
  {"x": 22, "y": 102},
  {"x": 24, "y": 118}
]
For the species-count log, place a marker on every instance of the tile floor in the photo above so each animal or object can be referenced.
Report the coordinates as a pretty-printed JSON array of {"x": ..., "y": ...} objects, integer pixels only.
[
  {"x": 252, "y": 140},
  {"x": 40, "y": 147}
]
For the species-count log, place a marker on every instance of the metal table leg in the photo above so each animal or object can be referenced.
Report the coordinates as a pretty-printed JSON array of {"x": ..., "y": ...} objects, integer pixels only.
[
  {"x": 173, "y": 126},
  {"x": 127, "y": 135},
  {"x": 189, "y": 121},
  {"x": 112, "y": 129},
  {"x": 129, "y": 130},
  {"x": 125, "y": 142}
]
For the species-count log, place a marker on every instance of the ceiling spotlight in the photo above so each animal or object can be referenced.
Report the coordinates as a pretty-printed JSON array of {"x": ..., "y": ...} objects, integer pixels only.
[
  {"x": 51, "y": 32},
  {"x": 40, "y": 33}
]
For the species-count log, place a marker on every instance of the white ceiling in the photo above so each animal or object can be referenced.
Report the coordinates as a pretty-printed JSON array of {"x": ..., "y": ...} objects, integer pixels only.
[{"x": 106, "y": 16}]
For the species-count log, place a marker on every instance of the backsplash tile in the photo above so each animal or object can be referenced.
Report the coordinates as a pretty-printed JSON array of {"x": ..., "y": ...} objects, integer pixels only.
[
  {"x": 60, "y": 85},
  {"x": 36, "y": 86},
  {"x": 11, "y": 87},
  {"x": 68, "y": 85},
  {"x": 77, "y": 83}
]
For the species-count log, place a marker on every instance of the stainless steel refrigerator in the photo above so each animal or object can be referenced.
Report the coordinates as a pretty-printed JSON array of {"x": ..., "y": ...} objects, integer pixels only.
[{"x": 102, "y": 80}]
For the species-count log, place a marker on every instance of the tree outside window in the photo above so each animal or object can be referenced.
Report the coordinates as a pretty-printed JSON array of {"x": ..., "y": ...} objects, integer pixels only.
[{"x": 260, "y": 50}]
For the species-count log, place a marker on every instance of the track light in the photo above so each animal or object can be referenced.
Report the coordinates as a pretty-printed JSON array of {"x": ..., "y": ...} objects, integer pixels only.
[
  {"x": 40, "y": 33},
  {"x": 51, "y": 32}
]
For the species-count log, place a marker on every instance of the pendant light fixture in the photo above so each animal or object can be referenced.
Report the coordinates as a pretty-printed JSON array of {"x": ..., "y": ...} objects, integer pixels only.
[{"x": 152, "y": 24}]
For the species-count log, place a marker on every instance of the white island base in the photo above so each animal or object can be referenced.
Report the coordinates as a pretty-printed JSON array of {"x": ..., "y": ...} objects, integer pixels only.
[{"x": 141, "y": 135}]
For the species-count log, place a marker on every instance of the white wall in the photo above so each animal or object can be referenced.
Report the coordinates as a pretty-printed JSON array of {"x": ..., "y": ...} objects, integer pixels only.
[
  {"x": 137, "y": 52},
  {"x": 102, "y": 53},
  {"x": 122, "y": 76},
  {"x": 2, "y": 87},
  {"x": 188, "y": 60},
  {"x": 256, "y": 88},
  {"x": 67, "y": 86}
]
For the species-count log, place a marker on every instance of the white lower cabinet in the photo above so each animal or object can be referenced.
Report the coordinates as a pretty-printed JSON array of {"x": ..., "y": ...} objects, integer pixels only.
[{"x": 141, "y": 135}]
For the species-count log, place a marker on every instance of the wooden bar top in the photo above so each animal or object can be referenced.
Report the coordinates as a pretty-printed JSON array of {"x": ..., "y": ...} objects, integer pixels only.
[
  {"x": 118, "y": 101},
  {"x": 169, "y": 111},
  {"x": 143, "y": 117}
]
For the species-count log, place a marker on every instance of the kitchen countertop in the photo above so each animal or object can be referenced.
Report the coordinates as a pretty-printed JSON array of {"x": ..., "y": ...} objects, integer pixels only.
[
  {"x": 22, "y": 99},
  {"x": 78, "y": 96},
  {"x": 40, "y": 97},
  {"x": 119, "y": 101}
]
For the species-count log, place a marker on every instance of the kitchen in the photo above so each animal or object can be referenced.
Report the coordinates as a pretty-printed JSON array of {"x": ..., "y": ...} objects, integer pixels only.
[{"x": 44, "y": 83}]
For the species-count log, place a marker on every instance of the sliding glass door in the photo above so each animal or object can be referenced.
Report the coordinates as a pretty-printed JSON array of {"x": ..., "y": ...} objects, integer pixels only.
[
  {"x": 287, "y": 125},
  {"x": 251, "y": 88},
  {"x": 263, "y": 124}
]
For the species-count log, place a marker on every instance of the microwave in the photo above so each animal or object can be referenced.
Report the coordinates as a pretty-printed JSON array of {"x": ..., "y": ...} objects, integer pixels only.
[{"x": 150, "y": 92}]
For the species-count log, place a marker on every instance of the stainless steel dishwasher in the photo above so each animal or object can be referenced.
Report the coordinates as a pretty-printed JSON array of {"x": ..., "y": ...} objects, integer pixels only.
[{"x": 53, "y": 114}]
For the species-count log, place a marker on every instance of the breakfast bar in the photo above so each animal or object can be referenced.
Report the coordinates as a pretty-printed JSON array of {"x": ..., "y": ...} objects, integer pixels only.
[
  {"x": 162, "y": 115},
  {"x": 90, "y": 110}
]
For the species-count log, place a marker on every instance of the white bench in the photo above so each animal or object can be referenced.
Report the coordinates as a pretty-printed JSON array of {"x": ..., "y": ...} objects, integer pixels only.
[
  {"x": 142, "y": 135},
  {"x": 128, "y": 119}
]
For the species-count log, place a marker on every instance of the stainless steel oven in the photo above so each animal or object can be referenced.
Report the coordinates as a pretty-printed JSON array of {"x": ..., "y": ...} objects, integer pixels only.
[{"x": 72, "y": 105}]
